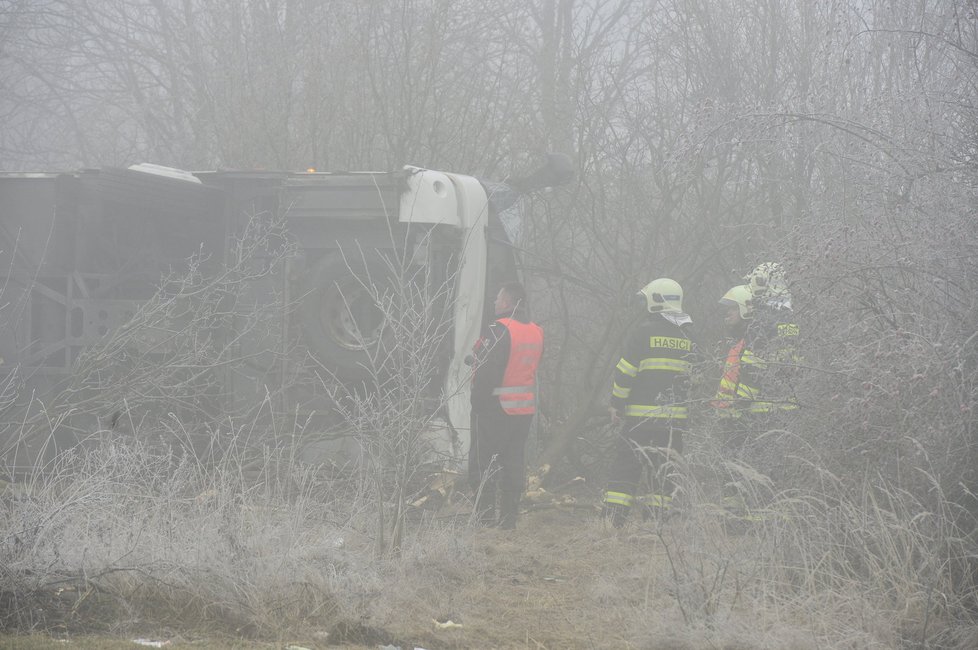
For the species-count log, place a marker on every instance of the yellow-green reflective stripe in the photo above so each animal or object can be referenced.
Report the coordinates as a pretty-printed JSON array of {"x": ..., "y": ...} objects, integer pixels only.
[
  {"x": 618, "y": 391},
  {"x": 618, "y": 498},
  {"x": 774, "y": 406},
  {"x": 766, "y": 407},
  {"x": 643, "y": 411},
  {"x": 750, "y": 359},
  {"x": 627, "y": 368},
  {"x": 746, "y": 392},
  {"x": 656, "y": 500},
  {"x": 676, "y": 365}
]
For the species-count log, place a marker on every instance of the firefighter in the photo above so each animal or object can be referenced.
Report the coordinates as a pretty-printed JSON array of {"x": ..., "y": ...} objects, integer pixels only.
[
  {"x": 738, "y": 397},
  {"x": 503, "y": 405},
  {"x": 739, "y": 392},
  {"x": 751, "y": 398},
  {"x": 649, "y": 400},
  {"x": 774, "y": 336}
]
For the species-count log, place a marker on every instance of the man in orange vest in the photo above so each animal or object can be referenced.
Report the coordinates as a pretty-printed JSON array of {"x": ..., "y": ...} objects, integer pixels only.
[{"x": 503, "y": 405}]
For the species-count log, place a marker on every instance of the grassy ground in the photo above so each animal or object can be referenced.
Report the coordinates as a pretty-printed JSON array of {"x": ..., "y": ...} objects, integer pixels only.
[
  {"x": 102, "y": 563},
  {"x": 561, "y": 580},
  {"x": 42, "y": 642}
]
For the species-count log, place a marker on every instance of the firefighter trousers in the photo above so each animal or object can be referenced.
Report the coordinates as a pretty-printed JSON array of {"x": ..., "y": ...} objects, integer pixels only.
[{"x": 644, "y": 444}]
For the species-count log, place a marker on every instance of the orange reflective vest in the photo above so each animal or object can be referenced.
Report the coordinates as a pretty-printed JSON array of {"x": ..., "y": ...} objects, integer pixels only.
[
  {"x": 517, "y": 394},
  {"x": 731, "y": 377}
]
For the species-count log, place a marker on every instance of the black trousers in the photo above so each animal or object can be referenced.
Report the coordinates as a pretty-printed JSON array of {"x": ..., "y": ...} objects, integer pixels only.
[
  {"x": 499, "y": 455},
  {"x": 645, "y": 443}
]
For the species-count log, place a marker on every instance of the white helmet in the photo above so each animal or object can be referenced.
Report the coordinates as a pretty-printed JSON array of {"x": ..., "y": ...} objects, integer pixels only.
[
  {"x": 767, "y": 280},
  {"x": 742, "y": 297},
  {"x": 663, "y": 295}
]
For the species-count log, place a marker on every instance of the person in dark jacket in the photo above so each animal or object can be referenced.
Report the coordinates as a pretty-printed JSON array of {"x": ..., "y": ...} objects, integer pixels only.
[
  {"x": 503, "y": 405},
  {"x": 756, "y": 383},
  {"x": 739, "y": 392},
  {"x": 753, "y": 396},
  {"x": 649, "y": 399}
]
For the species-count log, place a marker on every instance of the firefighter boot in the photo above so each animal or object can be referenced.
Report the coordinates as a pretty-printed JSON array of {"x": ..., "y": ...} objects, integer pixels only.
[
  {"x": 616, "y": 507},
  {"x": 615, "y": 513},
  {"x": 655, "y": 507}
]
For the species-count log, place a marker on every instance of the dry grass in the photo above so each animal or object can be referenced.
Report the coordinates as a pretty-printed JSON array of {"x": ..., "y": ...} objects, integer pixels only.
[
  {"x": 128, "y": 541},
  {"x": 93, "y": 642},
  {"x": 127, "y": 536}
]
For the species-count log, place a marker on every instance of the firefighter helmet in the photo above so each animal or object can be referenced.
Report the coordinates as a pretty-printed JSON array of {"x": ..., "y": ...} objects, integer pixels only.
[
  {"x": 767, "y": 280},
  {"x": 742, "y": 297},
  {"x": 663, "y": 295}
]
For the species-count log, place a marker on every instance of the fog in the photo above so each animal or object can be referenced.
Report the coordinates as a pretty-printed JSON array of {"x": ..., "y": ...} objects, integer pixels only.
[{"x": 837, "y": 138}]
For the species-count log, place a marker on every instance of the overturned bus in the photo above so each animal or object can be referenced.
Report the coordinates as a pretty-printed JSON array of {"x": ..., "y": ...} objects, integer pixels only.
[{"x": 83, "y": 253}]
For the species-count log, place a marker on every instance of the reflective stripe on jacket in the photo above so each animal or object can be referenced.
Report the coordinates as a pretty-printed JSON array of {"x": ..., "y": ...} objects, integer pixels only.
[
  {"x": 730, "y": 379},
  {"x": 739, "y": 391},
  {"x": 652, "y": 377},
  {"x": 517, "y": 394}
]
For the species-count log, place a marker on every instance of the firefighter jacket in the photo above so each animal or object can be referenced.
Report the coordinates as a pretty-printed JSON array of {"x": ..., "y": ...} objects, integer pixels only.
[
  {"x": 652, "y": 377},
  {"x": 738, "y": 388},
  {"x": 507, "y": 358},
  {"x": 753, "y": 384},
  {"x": 774, "y": 334}
]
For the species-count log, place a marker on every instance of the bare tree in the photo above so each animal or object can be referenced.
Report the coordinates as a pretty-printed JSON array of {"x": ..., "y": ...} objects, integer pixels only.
[{"x": 397, "y": 414}]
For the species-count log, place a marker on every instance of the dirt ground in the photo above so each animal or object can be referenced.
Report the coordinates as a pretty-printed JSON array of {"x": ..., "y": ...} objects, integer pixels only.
[
  {"x": 539, "y": 578},
  {"x": 562, "y": 579}
]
